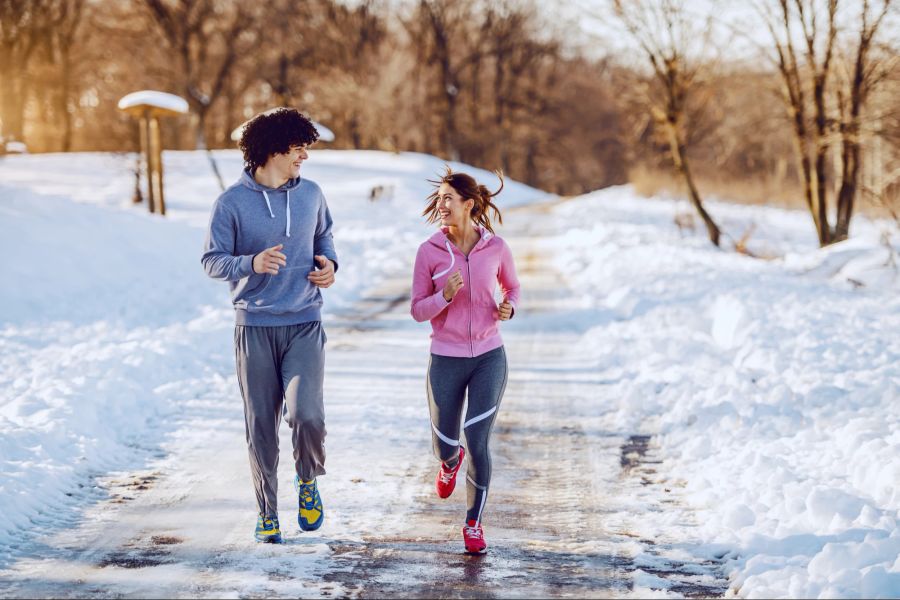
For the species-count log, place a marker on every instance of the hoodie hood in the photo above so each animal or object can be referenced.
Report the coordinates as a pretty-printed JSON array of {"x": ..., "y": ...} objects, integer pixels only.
[
  {"x": 441, "y": 240},
  {"x": 248, "y": 181}
]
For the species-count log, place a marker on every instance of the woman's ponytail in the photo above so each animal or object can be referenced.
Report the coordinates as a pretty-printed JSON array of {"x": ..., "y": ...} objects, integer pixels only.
[
  {"x": 485, "y": 204},
  {"x": 467, "y": 187}
]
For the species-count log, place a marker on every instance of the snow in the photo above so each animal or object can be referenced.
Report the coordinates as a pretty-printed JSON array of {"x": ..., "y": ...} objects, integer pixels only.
[
  {"x": 154, "y": 99},
  {"x": 325, "y": 134},
  {"x": 771, "y": 385}
]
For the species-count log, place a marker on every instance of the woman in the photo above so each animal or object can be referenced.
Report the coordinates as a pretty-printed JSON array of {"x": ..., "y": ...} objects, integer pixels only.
[{"x": 456, "y": 273}]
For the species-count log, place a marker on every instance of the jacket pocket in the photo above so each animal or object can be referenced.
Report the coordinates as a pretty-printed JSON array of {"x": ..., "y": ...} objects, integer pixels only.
[
  {"x": 289, "y": 291},
  {"x": 249, "y": 288}
]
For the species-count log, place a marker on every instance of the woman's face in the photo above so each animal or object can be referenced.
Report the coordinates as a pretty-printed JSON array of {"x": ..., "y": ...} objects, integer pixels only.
[{"x": 453, "y": 209}]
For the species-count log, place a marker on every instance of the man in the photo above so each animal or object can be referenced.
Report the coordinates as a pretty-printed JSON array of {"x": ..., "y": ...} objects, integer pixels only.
[{"x": 270, "y": 238}]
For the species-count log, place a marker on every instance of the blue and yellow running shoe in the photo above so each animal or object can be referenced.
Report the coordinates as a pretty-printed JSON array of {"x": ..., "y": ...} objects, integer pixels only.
[
  {"x": 311, "y": 514},
  {"x": 267, "y": 530}
]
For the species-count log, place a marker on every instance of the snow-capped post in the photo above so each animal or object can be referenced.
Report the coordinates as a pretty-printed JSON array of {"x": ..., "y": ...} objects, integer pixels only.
[{"x": 149, "y": 106}]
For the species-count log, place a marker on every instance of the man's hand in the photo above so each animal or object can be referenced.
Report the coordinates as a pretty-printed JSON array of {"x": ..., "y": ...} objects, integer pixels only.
[
  {"x": 324, "y": 277},
  {"x": 269, "y": 260},
  {"x": 453, "y": 285},
  {"x": 505, "y": 309}
]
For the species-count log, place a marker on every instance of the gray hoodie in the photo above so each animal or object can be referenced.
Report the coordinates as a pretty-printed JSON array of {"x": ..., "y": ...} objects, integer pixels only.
[{"x": 248, "y": 218}]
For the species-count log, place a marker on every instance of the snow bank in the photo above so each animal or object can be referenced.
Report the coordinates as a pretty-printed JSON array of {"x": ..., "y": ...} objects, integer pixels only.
[{"x": 773, "y": 385}]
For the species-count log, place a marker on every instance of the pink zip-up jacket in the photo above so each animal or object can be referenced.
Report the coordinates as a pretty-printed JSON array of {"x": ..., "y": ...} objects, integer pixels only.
[{"x": 467, "y": 326}]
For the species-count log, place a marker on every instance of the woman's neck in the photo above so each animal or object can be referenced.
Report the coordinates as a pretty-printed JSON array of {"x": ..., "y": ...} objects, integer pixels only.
[{"x": 464, "y": 236}]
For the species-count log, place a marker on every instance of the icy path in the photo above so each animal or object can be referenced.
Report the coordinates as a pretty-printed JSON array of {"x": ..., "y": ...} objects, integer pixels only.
[{"x": 578, "y": 507}]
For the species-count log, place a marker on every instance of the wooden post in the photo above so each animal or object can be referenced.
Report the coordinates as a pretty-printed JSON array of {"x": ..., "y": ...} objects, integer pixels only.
[
  {"x": 147, "y": 140},
  {"x": 138, "y": 167},
  {"x": 156, "y": 177},
  {"x": 149, "y": 106}
]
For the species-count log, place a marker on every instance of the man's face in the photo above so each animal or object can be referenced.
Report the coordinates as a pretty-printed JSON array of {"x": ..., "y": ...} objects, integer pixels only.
[{"x": 288, "y": 164}]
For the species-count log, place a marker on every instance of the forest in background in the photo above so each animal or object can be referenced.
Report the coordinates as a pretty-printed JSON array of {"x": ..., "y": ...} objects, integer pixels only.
[{"x": 568, "y": 99}]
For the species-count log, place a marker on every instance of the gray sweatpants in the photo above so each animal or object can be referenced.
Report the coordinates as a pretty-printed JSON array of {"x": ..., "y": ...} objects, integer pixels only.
[
  {"x": 449, "y": 378},
  {"x": 282, "y": 368}
]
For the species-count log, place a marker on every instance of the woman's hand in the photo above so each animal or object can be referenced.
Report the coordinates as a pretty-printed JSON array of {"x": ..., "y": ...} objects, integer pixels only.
[
  {"x": 453, "y": 285},
  {"x": 506, "y": 310}
]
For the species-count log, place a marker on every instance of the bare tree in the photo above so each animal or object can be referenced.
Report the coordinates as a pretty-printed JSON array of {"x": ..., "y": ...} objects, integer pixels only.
[
  {"x": 523, "y": 64},
  {"x": 808, "y": 81},
  {"x": 67, "y": 20},
  {"x": 810, "y": 142},
  {"x": 434, "y": 25},
  {"x": 866, "y": 74},
  {"x": 207, "y": 39},
  {"x": 23, "y": 26},
  {"x": 666, "y": 34}
]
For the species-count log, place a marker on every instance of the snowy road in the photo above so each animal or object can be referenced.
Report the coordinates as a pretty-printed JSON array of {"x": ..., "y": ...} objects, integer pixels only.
[
  {"x": 574, "y": 506},
  {"x": 680, "y": 419}
]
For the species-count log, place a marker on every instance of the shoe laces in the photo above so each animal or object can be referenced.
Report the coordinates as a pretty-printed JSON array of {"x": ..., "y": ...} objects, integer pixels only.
[
  {"x": 474, "y": 531},
  {"x": 306, "y": 494},
  {"x": 447, "y": 476}
]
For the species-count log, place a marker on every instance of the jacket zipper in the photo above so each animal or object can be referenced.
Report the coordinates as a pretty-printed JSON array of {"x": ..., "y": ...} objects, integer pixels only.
[{"x": 469, "y": 285}]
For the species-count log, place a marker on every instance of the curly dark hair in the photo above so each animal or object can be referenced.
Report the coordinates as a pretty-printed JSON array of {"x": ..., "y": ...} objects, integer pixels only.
[{"x": 274, "y": 132}]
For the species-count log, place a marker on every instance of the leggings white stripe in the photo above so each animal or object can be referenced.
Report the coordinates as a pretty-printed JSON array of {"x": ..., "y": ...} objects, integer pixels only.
[
  {"x": 443, "y": 437},
  {"x": 481, "y": 508},
  {"x": 483, "y": 489},
  {"x": 480, "y": 417}
]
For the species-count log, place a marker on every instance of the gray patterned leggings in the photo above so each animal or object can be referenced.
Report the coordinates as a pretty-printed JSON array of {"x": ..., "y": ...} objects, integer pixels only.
[{"x": 449, "y": 378}]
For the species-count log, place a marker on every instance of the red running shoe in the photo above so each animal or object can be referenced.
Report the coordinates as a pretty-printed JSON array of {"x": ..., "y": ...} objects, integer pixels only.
[
  {"x": 473, "y": 536},
  {"x": 446, "y": 480}
]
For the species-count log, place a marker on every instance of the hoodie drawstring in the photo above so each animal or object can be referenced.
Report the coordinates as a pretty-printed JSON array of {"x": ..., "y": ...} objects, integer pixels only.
[
  {"x": 268, "y": 204},
  {"x": 287, "y": 207},
  {"x": 452, "y": 262}
]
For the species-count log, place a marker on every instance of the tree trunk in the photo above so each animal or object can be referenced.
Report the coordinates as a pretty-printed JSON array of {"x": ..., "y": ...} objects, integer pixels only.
[
  {"x": 447, "y": 80},
  {"x": 12, "y": 105},
  {"x": 849, "y": 186},
  {"x": 200, "y": 133},
  {"x": 851, "y": 148},
  {"x": 500, "y": 57},
  {"x": 821, "y": 147},
  {"x": 282, "y": 87},
  {"x": 65, "y": 92},
  {"x": 802, "y": 150},
  {"x": 677, "y": 149},
  {"x": 452, "y": 144}
]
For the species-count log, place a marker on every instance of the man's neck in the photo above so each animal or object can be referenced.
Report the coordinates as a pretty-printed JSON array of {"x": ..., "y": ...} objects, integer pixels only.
[{"x": 269, "y": 178}]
